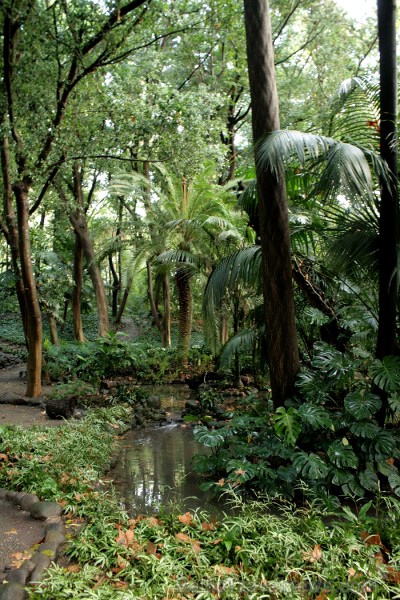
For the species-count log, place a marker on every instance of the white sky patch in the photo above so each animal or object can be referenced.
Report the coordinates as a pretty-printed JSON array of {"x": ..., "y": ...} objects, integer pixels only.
[{"x": 358, "y": 9}]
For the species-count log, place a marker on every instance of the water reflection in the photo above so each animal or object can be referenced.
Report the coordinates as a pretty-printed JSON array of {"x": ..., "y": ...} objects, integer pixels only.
[{"x": 154, "y": 470}]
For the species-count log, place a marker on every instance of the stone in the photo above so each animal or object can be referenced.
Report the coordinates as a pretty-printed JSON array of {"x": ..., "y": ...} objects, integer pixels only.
[
  {"x": 154, "y": 402},
  {"x": 13, "y": 591},
  {"x": 42, "y": 562},
  {"x": 60, "y": 408},
  {"x": 43, "y": 510},
  {"x": 27, "y": 500},
  {"x": 192, "y": 406}
]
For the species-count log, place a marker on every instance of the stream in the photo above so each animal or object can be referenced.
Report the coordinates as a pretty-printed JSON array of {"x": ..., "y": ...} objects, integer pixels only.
[{"x": 153, "y": 470}]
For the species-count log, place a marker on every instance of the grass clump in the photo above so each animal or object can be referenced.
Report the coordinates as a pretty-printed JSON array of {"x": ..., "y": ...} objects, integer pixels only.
[{"x": 268, "y": 550}]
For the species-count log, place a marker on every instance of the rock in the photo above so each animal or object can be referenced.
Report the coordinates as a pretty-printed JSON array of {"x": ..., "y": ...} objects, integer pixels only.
[
  {"x": 11, "y": 398},
  {"x": 192, "y": 406},
  {"x": 154, "y": 402},
  {"x": 27, "y": 501},
  {"x": 42, "y": 562},
  {"x": 44, "y": 510},
  {"x": 60, "y": 408},
  {"x": 13, "y": 591}
]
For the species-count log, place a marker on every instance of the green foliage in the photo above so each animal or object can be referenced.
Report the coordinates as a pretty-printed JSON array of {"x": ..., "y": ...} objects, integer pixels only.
[{"x": 327, "y": 439}]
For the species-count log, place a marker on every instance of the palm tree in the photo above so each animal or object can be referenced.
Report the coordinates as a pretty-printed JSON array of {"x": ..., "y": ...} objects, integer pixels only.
[{"x": 198, "y": 219}]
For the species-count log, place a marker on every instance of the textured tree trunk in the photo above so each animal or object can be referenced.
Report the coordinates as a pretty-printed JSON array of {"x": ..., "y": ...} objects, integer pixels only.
[
  {"x": 77, "y": 291},
  {"x": 150, "y": 295},
  {"x": 79, "y": 223},
  {"x": 182, "y": 280},
  {"x": 33, "y": 314},
  {"x": 11, "y": 230},
  {"x": 53, "y": 330},
  {"x": 166, "y": 323},
  {"x": 123, "y": 302},
  {"x": 116, "y": 286},
  {"x": 389, "y": 208},
  {"x": 282, "y": 350}
]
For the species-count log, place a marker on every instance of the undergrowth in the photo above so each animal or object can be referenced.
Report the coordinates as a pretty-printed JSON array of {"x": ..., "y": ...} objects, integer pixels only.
[{"x": 268, "y": 550}]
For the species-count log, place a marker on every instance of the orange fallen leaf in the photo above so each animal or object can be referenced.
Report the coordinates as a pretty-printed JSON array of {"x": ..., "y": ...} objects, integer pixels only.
[
  {"x": 121, "y": 562},
  {"x": 393, "y": 575},
  {"x": 151, "y": 548},
  {"x": 221, "y": 483},
  {"x": 74, "y": 568},
  {"x": 11, "y": 532},
  {"x": 223, "y": 570},
  {"x": 323, "y": 595},
  {"x": 208, "y": 526},
  {"x": 314, "y": 555},
  {"x": 182, "y": 537},
  {"x": 240, "y": 472},
  {"x": 186, "y": 519},
  {"x": 4, "y": 457}
]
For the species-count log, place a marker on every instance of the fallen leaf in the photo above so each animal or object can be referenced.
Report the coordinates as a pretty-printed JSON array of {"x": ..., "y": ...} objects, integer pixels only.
[
  {"x": 182, "y": 537},
  {"x": 4, "y": 457},
  {"x": 11, "y": 532},
  {"x": 152, "y": 521},
  {"x": 223, "y": 570},
  {"x": 73, "y": 568},
  {"x": 314, "y": 555},
  {"x": 323, "y": 595},
  {"x": 393, "y": 575},
  {"x": 208, "y": 526},
  {"x": 221, "y": 483},
  {"x": 121, "y": 562},
  {"x": 151, "y": 548},
  {"x": 186, "y": 519}
]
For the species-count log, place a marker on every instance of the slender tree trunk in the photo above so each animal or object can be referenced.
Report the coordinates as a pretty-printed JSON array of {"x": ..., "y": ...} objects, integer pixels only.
[
  {"x": 123, "y": 301},
  {"x": 282, "y": 350},
  {"x": 77, "y": 291},
  {"x": 389, "y": 207},
  {"x": 34, "y": 317},
  {"x": 182, "y": 280},
  {"x": 166, "y": 323},
  {"x": 12, "y": 229},
  {"x": 116, "y": 286},
  {"x": 53, "y": 330},
  {"x": 79, "y": 223},
  {"x": 150, "y": 295}
]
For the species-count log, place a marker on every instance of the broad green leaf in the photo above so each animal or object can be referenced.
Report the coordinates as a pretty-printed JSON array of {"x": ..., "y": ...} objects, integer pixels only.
[
  {"x": 353, "y": 488},
  {"x": 208, "y": 437},
  {"x": 339, "y": 476},
  {"x": 384, "y": 446},
  {"x": 315, "y": 416},
  {"x": 369, "y": 480},
  {"x": 394, "y": 482},
  {"x": 362, "y": 406},
  {"x": 287, "y": 424},
  {"x": 342, "y": 456},
  {"x": 364, "y": 429},
  {"x": 386, "y": 373},
  {"x": 310, "y": 466}
]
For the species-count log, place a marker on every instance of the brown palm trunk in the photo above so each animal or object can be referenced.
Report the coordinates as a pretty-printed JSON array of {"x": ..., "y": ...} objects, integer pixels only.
[
  {"x": 282, "y": 349},
  {"x": 182, "y": 280},
  {"x": 77, "y": 291},
  {"x": 124, "y": 300},
  {"x": 166, "y": 323},
  {"x": 33, "y": 314},
  {"x": 389, "y": 208}
]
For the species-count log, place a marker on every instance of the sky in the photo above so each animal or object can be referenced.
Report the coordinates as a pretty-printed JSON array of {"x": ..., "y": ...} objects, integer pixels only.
[{"x": 358, "y": 9}]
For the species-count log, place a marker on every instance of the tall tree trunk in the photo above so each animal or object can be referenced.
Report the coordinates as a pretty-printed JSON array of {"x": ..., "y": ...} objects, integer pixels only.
[
  {"x": 79, "y": 223},
  {"x": 123, "y": 301},
  {"x": 282, "y": 349},
  {"x": 77, "y": 291},
  {"x": 11, "y": 229},
  {"x": 389, "y": 207},
  {"x": 33, "y": 314},
  {"x": 166, "y": 322},
  {"x": 150, "y": 295},
  {"x": 182, "y": 280},
  {"x": 116, "y": 286}
]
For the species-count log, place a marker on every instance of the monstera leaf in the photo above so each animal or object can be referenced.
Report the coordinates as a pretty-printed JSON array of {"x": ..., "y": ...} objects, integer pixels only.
[
  {"x": 287, "y": 424},
  {"x": 342, "y": 455},
  {"x": 310, "y": 466},
  {"x": 386, "y": 373},
  {"x": 316, "y": 416},
  {"x": 361, "y": 406}
]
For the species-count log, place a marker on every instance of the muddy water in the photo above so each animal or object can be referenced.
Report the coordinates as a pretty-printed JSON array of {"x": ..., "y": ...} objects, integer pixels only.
[{"x": 154, "y": 468}]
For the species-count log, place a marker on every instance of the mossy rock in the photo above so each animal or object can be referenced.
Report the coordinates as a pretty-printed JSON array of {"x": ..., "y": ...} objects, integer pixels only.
[{"x": 61, "y": 408}]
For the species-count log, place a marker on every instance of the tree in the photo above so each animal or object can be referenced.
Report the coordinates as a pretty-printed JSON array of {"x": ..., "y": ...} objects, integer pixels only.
[
  {"x": 280, "y": 326},
  {"x": 389, "y": 205}
]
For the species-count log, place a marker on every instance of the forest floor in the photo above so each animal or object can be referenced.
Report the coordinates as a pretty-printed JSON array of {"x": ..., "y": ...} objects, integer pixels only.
[{"x": 18, "y": 530}]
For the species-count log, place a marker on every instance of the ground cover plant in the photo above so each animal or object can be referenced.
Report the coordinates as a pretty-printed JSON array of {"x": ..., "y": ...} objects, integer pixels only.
[
  {"x": 326, "y": 436},
  {"x": 268, "y": 550}
]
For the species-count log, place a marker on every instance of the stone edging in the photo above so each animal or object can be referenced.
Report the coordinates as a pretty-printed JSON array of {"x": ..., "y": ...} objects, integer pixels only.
[{"x": 32, "y": 569}]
